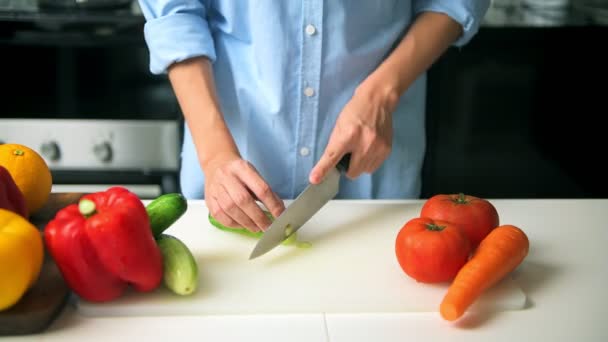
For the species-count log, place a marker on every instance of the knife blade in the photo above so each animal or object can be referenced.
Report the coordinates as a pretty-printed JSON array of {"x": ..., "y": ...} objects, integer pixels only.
[{"x": 305, "y": 206}]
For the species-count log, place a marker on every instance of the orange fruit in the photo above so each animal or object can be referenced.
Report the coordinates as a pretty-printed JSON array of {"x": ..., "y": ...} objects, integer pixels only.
[{"x": 30, "y": 172}]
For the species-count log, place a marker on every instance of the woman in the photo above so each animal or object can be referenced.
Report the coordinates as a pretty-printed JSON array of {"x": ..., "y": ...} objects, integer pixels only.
[{"x": 275, "y": 93}]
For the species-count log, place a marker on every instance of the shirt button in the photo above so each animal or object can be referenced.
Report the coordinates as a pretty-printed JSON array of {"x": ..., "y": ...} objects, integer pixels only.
[
  {"x": 309, "y": 91},
  {"x": 304, "y": 151},
  {"x": 310, "y": 30}
]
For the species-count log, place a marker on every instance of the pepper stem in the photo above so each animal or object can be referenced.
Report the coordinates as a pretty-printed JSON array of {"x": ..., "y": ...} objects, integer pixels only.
[
  {"x": 86, "y": 207},
  {"x": 18, "y": 152},
  {"x": 434, "y": 227}
]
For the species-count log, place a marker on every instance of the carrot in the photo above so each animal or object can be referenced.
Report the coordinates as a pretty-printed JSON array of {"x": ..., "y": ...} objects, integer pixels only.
[{"x": 499, "y": 253}]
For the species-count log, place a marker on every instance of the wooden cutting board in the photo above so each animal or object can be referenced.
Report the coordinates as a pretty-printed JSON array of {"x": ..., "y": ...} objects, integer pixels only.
[
  {"x": 39, "y": 307},
  {"x": 350, "y": 268}
]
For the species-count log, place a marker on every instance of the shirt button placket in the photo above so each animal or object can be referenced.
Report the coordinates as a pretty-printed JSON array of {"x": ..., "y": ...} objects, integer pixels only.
[{"x": 310, "y": 79}]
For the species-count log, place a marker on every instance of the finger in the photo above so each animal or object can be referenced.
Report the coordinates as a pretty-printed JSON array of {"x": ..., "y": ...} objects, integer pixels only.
[
  {"x": 378, "y": 156},
  {"x": 241, "y": 196},
  {"x": 219, "y": 215},
  {"x": 369, "y": 159},
  {"x": 373, "y": 164},
  {"x": 336, "y": 149},
  {"x": 262, "y": 191},
  {"x": 356, "y": 166},
  {"x": 228, "y": 205}
]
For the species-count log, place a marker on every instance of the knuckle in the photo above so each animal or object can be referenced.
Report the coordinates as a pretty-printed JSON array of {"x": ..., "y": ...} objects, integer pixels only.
[
  {"x": 229, "y": 206},
  {"x": 216, "y": 212},
  {"x": 369, "y": 131},
  {"x": 276, "y": 206},
  {"x": 221, "y": 216},
  {"x": 241, "y": 198},
  {"x": 350, "y": 132},
  {"x": 236, "y": 165},
  {"x": 263, "y": 190},
  {"x": 243, "y": 164}
]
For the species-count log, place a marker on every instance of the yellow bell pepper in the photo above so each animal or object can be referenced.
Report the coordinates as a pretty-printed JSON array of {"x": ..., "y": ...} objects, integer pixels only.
[{"x": 21, "y": 257}]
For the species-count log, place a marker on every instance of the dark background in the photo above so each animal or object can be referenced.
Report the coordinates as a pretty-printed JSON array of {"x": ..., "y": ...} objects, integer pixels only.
[
  {"x": 519, "y": 112},
  {"x": 514, "y": 114}
]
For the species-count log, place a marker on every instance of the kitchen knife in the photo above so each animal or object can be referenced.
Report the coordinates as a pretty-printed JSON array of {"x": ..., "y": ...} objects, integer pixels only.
[{"x": 308, "y": 203}]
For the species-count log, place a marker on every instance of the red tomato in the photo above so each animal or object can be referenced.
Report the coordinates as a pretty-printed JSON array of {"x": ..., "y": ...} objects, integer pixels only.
[
  {"x": 431, "y": 251},
  {"x": 476, "y": 216}
]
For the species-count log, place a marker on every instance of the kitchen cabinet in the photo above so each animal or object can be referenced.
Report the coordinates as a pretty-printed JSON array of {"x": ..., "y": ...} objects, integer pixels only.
[{"x": 516, "y": 114}]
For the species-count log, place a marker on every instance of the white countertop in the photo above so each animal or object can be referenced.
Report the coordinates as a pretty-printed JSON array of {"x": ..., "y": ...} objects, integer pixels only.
[{"x": 564, "y": 277}]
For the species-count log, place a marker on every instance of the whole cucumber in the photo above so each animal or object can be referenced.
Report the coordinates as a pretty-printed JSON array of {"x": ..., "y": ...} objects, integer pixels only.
[
  {"x": 180, "y": 268},
  {"x": 164, "y": 210}
]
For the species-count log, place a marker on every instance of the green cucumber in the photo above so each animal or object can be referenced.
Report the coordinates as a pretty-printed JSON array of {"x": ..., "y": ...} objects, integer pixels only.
[
  {"x": 165, "y": 210},
  {"x": 180, "y": 274},
  {"x": 241, "y": 231},
  {"x": 291, "y": 240}
]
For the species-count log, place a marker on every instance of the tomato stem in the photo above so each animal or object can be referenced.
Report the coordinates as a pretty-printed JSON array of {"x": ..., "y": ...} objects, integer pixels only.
[
  {"x": 434, "y": 227},
  {"x": 86, "y": 207},
  {"x": 461, "y": 199}
]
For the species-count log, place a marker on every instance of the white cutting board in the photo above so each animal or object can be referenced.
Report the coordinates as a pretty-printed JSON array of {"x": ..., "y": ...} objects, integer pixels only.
[{"x": 350, "y": 268}]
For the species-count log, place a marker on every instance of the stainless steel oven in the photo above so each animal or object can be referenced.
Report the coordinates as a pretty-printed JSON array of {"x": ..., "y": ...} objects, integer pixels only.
[
  {"x": 89, "y": 155},
  {"x": 78, "y": 90}
]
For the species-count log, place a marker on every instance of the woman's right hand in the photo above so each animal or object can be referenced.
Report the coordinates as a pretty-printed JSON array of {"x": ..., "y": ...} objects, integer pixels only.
[{"x": 232, "y": 186}]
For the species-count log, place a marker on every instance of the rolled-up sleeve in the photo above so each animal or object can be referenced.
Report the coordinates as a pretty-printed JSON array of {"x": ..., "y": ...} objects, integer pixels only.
[
  {"x": 176, "y": 30},
  {"x": 468, "y": 13}
]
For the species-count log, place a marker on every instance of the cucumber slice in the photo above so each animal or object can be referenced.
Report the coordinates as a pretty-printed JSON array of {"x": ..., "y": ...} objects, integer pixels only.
[
  {"x": 241, "y": 231},
  {"x": 291, "y": 240}
]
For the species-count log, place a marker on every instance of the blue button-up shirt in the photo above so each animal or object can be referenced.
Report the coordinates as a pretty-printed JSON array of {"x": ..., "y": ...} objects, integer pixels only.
[{"x": 285, "y": 69}]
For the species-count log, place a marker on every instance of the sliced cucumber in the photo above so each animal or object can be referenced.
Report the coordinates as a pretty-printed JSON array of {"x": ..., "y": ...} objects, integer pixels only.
[
  {"x": 292, "y": 239},
  {"x": 241, "y": 231}
]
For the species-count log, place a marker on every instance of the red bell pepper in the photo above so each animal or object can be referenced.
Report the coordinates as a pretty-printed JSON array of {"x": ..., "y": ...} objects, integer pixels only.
[
  {"x": 11, "y": 198},
  {"x": 103, "y": 244}
]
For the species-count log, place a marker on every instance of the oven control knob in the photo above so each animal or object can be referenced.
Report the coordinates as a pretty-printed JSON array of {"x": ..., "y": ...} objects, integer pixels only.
[
  {"x": 50, "y": 150},
  {"x": 103, "y": 152}
]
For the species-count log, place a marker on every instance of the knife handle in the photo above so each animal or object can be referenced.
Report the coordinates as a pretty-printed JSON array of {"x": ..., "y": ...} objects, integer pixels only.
[{"x": 344, "y": 163}]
